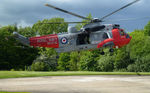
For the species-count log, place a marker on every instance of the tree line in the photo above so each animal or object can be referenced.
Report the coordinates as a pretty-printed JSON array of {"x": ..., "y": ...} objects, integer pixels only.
[{"x": 135, "y": 57}]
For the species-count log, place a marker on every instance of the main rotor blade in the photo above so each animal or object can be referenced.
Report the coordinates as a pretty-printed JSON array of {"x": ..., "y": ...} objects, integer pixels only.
[
  {"x": 119, "y": 9},
  {"x": 62, "y": 10},
  {"x": 63, "y": 22},
  {"x": 129, "y": 19}
]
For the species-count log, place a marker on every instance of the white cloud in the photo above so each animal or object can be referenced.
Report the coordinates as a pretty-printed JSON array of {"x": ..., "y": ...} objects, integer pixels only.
[{"x": 23, "y": 23}]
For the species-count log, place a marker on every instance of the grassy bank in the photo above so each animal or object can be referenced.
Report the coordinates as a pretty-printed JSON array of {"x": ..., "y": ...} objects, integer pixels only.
[{"x": 17, "y": 74}]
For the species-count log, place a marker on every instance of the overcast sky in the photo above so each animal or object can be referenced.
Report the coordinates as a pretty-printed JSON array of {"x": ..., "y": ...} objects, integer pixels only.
[{"x": 28, "y": 12}]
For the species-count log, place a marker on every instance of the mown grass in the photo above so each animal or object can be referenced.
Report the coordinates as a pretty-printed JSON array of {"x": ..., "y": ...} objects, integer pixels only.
[{"x": 18, "y": 74}]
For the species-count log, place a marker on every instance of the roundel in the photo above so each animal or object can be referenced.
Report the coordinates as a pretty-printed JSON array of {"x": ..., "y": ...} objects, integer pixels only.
[{"x": 64, "y": 40}]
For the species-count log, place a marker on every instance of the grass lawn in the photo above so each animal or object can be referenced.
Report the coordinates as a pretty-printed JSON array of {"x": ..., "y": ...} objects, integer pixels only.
[{"x": 17, "y": 74}]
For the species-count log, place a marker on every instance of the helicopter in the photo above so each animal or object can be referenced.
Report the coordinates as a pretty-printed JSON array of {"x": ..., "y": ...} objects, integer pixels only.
[{"x": 91, "y": 36}]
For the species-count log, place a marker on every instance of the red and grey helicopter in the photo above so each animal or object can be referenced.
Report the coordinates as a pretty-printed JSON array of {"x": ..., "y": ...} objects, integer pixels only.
[{"x": 93, "y": 35}]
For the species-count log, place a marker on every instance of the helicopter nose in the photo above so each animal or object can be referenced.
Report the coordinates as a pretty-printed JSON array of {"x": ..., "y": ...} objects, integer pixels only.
[{"x": 130, "y": 37}]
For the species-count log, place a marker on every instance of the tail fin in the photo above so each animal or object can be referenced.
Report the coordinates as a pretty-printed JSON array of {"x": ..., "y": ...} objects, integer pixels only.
[{"x": 22, "y": 39}]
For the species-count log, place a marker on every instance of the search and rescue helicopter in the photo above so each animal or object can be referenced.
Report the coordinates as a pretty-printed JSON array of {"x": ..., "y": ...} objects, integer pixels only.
[{"x": 93, "y": 35}]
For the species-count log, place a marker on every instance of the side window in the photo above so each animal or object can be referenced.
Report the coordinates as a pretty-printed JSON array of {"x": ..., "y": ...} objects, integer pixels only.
[
  {"x": 105, "y": 36},
  {"x": 96, "y": 37}
]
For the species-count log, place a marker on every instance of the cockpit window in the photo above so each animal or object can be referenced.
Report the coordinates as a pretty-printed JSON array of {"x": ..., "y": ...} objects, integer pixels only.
[
  {"x": 127, "y": 36},
  {"x": 122, "y": 33}
]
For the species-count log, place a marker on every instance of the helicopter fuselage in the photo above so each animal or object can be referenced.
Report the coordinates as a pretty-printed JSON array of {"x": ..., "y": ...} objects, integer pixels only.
[{"x": 110, "y": 36}]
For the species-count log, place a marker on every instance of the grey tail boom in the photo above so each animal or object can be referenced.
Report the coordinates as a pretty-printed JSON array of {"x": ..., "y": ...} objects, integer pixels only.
[{"x": 21, "y": 39}]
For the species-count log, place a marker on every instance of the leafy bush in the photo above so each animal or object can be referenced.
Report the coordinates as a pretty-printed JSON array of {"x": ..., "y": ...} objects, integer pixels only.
[
  {"x": 140, "y": 65},
  {"x": 147, "y": 29},
  {"x": 5, "y": 65},
  {"x": 12, "y": 70},
  {"x": 132, "y": 68},
  {"x": 122, "y": 59},
  {"x": 88, "y": 61},
  {"x": 39, "y": 66},
  {"x": 74, "y": 61},
  {"x": 63, "y": 62},
  {"x": 106, "y": 63}
]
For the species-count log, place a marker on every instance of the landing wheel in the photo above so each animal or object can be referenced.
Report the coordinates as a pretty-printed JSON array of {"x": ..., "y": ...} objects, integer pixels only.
[
  {"x": 102, "y": 53},
  {"x": 111, "y": 50}
]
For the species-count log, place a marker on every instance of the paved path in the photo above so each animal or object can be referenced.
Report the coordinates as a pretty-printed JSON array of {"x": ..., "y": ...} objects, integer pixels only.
[{"x": 78, "y": 84}]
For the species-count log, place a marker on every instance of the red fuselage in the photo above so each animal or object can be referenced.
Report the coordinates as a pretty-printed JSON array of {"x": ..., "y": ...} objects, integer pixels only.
[
  {"x": 119, "y": 39},
  {"x": 45, "y": 41}
]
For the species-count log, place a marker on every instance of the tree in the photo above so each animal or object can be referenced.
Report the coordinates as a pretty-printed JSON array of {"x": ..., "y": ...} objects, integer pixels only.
[
  {"x": 122, "y": 59},
  {"x": 12, "y": 53},
  {"x": 63, "y": 62},
  {"x": 139, "y": 45},
  {"x": 74, "y": 61},
  {"x": 40, "y": 66},
  {"x": 147, "y": 29},
  {"x": 26, "y": 31},
  {"x": 140, "y": 65},
  {"x": 47, "y": 56},
  {"x": 88, "y": 61},
  {"x": 141, "y": 55},
  {"x": 43, "y": 28},
  {"x": 105, "y": 63}
]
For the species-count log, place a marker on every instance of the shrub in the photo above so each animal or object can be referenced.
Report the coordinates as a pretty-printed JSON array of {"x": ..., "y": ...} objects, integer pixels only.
[
  {"x": 40, "y": 66},
  {"x": 12, "y": 70},
  {"x": 50, "y": 61},
  {"x": 132, "y": 68},
  {"x": 63, "y": 62},
  {"x": 106, "y": 63},
  {"x": 140, "y": 65},
  {"x": 88, "y": 61}
]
